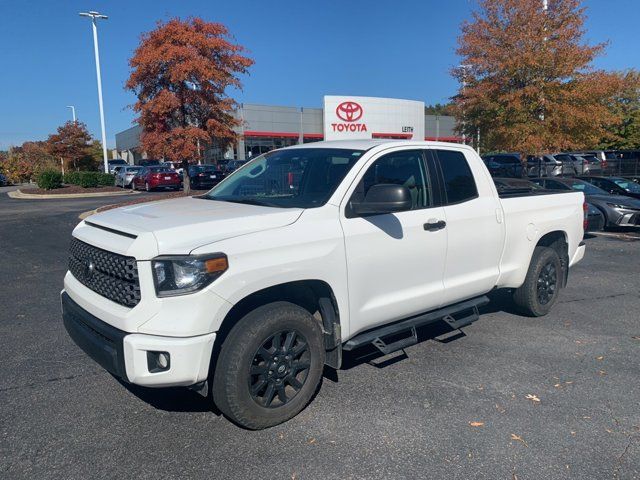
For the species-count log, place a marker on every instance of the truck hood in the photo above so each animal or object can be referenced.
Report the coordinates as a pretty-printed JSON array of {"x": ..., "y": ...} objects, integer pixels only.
[{"x": 184, "y": 224}]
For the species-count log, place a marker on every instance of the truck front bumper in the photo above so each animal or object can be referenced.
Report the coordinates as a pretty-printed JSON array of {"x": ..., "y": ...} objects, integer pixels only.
[{"x": 130, "y": 356}]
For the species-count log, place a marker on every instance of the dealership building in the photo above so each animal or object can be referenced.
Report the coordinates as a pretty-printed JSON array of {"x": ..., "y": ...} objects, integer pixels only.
[{"x": 264, "y": 128}]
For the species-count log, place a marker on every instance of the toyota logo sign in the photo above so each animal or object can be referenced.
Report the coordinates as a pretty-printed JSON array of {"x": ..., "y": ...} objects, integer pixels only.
[{"x": 349, "y": 111}]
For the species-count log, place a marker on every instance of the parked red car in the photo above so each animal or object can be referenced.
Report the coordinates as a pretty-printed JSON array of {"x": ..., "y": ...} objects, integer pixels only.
[{"x": 151, "y": 178}]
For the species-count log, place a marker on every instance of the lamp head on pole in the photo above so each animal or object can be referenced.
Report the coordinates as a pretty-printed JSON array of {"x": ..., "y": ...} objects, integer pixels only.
[{"x": 93, "y": 15}]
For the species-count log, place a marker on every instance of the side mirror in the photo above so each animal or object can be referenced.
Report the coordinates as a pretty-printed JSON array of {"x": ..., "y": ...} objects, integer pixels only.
[{"x": 384, "y": 198}]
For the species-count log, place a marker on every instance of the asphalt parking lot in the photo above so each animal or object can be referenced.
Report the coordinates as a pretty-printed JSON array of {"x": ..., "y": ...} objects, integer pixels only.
[{"x": 554, "y": 397}]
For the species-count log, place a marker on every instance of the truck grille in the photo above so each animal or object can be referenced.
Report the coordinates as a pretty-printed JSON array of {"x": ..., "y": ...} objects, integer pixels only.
[{"x": 108, "y": 274}]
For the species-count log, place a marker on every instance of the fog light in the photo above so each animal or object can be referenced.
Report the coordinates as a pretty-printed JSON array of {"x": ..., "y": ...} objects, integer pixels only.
[
  {"x": 163, "y": 360},
  {"x": 158, "y": 361}
]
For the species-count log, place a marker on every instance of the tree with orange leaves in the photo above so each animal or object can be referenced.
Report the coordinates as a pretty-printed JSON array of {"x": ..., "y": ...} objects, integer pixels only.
[
  {"x": 180, "y": 74},
  {"x": 70, "y": 143},
  {"x": 529, "y": 84}
]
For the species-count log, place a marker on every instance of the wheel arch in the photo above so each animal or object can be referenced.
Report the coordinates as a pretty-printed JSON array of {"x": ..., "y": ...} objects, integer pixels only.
[
  {"x": 558, "y": 241},
  {"x": 315, "y": 296}
]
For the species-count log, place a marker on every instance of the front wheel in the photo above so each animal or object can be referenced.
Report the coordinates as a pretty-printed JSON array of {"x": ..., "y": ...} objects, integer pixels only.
[
  {"x": 269, "y": 366},
  {"x": 542, "y": 284}
]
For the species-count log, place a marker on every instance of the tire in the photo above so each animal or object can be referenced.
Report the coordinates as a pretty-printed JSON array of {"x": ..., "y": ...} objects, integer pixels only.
[
  {"x": 607, "y": 225},
  {"x": 245, "y": 356},
  {"x": 541, "y": 287}
]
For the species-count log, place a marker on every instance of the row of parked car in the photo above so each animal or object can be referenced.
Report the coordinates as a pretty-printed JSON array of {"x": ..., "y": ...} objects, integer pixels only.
[
  {"x": 154, "y": 175},
  {"x": 611, "y": 201},
  {"x": 597, "y": 162}
]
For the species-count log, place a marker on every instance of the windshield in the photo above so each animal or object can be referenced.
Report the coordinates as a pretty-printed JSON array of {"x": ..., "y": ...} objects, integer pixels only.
[
  {"x": 296, "y": 177},
  {"x": 133, "y": 169},
  {"x": 586, "y": 187},
  {"x": 627, "y": 185},
  {"x": 160, "y": 170}
]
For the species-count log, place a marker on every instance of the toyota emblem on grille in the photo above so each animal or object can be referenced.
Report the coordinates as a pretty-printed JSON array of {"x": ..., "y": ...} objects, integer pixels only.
[
  {"x": 349, "y": 111},
  {"x": 89, "y": 268}
]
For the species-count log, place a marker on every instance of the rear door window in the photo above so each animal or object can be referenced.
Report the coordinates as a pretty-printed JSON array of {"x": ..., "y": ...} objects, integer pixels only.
[{"x": 459, "y": 184}]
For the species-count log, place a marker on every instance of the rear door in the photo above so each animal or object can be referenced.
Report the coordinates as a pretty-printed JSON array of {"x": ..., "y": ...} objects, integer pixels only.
[
  {"x": 474, "y": 224},
  {"x": 395, "y": 261}
]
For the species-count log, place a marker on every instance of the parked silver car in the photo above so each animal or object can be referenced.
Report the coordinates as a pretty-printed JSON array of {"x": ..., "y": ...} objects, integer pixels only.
[
  {"x": 587, "y": 164},
  {"x": 124, "y": 175},
  {"x": 556, "y": 165}
]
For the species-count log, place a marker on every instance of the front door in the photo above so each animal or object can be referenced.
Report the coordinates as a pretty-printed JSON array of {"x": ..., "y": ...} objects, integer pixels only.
[{"x": 396, "y": 261}]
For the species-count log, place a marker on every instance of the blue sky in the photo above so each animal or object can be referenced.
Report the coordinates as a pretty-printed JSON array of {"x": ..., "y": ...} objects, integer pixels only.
[{"x": 302, "y": 49}]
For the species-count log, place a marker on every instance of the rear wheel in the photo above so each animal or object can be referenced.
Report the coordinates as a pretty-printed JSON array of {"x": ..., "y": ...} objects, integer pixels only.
[
  {"x": 269, "y": 366},
  {"x": 542, "y": 284}
]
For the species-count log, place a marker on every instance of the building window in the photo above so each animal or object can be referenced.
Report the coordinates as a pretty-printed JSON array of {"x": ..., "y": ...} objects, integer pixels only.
[{"x": 254, "y": 146}]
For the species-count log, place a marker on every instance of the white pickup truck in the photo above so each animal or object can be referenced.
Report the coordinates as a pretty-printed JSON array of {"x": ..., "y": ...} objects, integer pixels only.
[{"x": 246, "y": 292}]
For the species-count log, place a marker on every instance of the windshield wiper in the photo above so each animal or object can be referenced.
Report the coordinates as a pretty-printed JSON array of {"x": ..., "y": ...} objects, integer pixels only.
[{"x": 246, "y": 201}]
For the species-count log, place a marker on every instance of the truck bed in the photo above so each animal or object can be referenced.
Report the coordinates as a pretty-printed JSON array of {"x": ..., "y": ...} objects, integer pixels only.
[{"x": 527, "y": 192}]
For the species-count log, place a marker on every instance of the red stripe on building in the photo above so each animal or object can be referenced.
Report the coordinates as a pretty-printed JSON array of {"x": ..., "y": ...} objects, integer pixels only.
[
  {"x": 392, "y": 135},
  {"x": 313, "y": 135},
  {"x": 444, "y": 139},
  {"x": 252, "y": 133}
]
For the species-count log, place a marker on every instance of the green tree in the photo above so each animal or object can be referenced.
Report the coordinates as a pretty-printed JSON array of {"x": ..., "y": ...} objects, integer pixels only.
[
  {"x": 440, "y": 109},
  {"x": 625, "y": 133}
]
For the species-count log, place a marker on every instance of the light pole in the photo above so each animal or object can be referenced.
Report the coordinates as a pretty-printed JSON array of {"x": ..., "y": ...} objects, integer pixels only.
[
  {"x": 73, "y": 112},
  {"x": 95, "y": 16},
  {"x": 464, "y": 87}
]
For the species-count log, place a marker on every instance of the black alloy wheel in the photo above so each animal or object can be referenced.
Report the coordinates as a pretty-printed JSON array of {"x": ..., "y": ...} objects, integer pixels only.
[
  {"x": 547, "y": 283},
  {"x": 279, "y": 369},
  {"x": 543, "y": 282},
  {"x": 269, "y": 366}
]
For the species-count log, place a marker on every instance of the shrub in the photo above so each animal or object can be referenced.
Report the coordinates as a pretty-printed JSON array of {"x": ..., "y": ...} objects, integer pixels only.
[
  {"x": 88, "y": 179},
  {"x": 106, "y": 179},
  {"x": 50, "y": 179},
  {"x": 72, "y": 178}
]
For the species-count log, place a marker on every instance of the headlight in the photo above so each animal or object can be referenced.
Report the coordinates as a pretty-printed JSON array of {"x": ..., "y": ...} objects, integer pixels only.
[
  {"x": 184, "y": 274},
  {"x": 615, "y": 205}
]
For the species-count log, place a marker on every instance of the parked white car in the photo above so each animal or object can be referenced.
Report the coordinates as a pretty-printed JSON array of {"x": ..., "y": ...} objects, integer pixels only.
[
  {"x": 303, "y": 253},
  {"x": 124, "y": 175}
]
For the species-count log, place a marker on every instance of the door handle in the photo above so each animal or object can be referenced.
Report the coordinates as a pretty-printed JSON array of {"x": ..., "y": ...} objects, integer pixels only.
[{"x": 433, "y": 225}]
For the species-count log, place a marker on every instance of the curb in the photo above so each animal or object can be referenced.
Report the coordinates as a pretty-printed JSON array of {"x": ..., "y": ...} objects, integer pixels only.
[
  {"x": 88, "y": 213},
  {"x": 20, "y": 194}
]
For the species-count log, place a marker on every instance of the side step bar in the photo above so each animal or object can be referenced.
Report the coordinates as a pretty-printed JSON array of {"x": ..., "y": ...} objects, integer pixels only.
[{"x": 456, "y": 316}]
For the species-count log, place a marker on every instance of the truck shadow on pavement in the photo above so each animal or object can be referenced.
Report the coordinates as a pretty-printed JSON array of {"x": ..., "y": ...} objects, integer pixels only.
[{"x": 173, "y": 399}]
